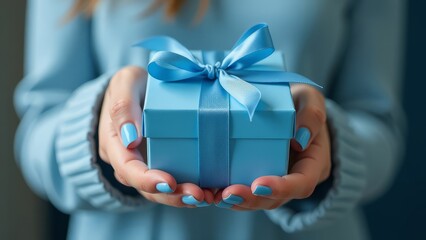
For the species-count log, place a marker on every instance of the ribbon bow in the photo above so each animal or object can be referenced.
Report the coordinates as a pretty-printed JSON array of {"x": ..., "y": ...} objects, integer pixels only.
[{"x": 174, "y": 62}]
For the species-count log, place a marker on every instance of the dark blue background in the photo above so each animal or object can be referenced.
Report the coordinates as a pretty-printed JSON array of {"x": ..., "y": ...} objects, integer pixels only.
[{"x": 401, "y": 213}]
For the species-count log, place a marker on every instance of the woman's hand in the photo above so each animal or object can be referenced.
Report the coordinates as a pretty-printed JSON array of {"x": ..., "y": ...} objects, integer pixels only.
[
  {"x": 310, "y": 161},
  {"x": 120, "y": 144}
]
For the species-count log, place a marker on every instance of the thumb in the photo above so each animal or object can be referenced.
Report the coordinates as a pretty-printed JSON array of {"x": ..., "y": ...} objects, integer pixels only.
[
  {"x": 310, "y": 115},
  {"x": 125, "y": 92}
]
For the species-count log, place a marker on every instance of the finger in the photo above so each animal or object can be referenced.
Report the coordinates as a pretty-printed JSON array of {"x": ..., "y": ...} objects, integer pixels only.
[
  {"x": 191, "y": 194},
  {"x": 218, "y": 201},
  {"x": 311, "y": 115},
  {"x": 186, "y": 195},
  {"x": 208, "y": 198},
  {"x": 129, "y": 165},
  {"x": 121, "y": 180},
  {"x": 106, "y": 131},
  {"x": 125, "y": 91},
  {"x": 292, "y": 186},
  {"x": 299, "y": 184},
  {"x": 242, "y": 196}
]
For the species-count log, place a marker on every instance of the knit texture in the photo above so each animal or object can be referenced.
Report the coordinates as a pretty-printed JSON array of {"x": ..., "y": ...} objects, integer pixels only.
[
  {"x": 77, "y": 153},
  {"x": 348, "y": 179}
]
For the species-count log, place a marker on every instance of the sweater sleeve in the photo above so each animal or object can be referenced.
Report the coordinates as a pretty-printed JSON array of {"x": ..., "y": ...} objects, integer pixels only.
[
  {"x": 59, "y": 101},
  {"x": 365, "y": 119}
]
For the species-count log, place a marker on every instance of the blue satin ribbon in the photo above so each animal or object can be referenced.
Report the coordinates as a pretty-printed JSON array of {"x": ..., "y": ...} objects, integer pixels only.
[
  {"x": 174, "y": 62},
  {"x": 213, "y": 130}
]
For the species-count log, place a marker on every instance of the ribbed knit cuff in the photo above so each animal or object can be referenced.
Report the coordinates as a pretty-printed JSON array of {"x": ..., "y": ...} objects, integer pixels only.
[
  {"x": 77, "y": 153},
  {"x": 348, "y": 179}
]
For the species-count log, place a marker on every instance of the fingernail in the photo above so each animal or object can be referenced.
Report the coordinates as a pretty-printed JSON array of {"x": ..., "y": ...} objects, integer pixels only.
[
  {"x": 164, "y": 188},
  {"x": 233, "y": 199},
  {"x": 302, "y": 137},
  {"x": 190, "y": 200},
  {"x": 223, "y": 204},
  {"x": 203, "y": 204},
  {"x": 129, "y": 134},
  {"x": 262, "y": 190}
]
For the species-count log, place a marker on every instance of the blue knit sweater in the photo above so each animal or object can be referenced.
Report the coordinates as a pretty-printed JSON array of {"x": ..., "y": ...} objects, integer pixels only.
[{"x": 350, "y": 47}]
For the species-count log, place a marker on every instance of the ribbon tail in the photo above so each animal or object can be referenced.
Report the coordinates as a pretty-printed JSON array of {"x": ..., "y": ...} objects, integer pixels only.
[
  {"x": 245, "y": 93},
  {"x": 274, "y": 76}
]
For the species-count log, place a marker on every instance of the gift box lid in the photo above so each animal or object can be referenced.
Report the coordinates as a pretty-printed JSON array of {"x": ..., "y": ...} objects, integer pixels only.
[{"x": 171, "y": 108}]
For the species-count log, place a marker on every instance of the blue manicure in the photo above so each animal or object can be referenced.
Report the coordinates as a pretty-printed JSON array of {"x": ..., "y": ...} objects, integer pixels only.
[
  {"x": 302, "y": 137},
  {"x": 203, "y": 204},
  {"x": 262, "y": 190},
  {"x": 129, "y": 134},
  {"x": 190, "y": 200},
  {"x": 164, "y": 188},
  {"x": 233, "y": 199},
  {"x": 223, "y": 204}
]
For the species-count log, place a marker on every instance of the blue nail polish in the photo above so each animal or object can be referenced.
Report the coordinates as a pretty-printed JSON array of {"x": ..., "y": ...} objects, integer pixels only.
[
  {"x": 190, "y": 200},
  {"x": 203, "y": 204},
  {"x": 302, "y": 137},
  {"x": 262, "y": 190},
  {"x": 129, "y": 134},
  {"x": 223, "y": 204},
  {"x": 233, "y": 199},
  {"x": 163, "y": 187}
]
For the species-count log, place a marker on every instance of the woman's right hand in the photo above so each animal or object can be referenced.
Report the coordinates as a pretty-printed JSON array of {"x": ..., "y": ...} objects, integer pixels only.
[{"x": 121, "y": 145}]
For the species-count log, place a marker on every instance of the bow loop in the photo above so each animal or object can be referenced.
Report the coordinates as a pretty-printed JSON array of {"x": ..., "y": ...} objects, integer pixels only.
[
  {"x": 170, "y": 66},
  {"x": 174, "y": 62},
  {"x": 253, "y": 46}
]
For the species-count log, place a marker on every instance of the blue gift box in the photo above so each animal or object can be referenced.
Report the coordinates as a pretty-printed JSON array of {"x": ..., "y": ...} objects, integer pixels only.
[
  {"x": 257, "y": 148},
  {"x": 218, "y": 118}
]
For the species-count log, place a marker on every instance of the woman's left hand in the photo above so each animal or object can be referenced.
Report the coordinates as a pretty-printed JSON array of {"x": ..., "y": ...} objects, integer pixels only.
[{"x": 310, "y": 161}]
